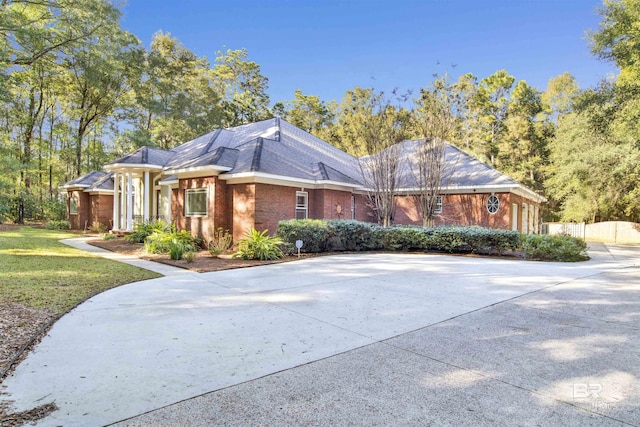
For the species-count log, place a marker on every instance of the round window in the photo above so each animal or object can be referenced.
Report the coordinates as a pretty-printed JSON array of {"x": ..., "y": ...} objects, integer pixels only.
[{"x": 493, "y": 204}]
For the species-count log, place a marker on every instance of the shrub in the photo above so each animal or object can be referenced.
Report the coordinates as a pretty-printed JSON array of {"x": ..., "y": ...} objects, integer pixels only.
[
  {"x": 162, "y": 242},
  {"x": 108, "y": 237},
  {"x": 354, "y": 235},
  {"x": 58, "y": 225},
  {"x": 190, "y": 256},
  {"x": 146, "y": 229},
  {"x": 98, "y": 227},
  {"x": 403, "y": 238},
  {"x": 221, "y": 242},
  {"x": 259, "y": 245},
  {"x": 471, "y": 239},
  {"x": 487, "y": 240},
  {"x": 447, "y": 239},
  {"x": 176, "y": 248},
  {"x": 554, "y": 248},
  {"x": 315, "y": 233},
  {"x": 54, "y": 209}
]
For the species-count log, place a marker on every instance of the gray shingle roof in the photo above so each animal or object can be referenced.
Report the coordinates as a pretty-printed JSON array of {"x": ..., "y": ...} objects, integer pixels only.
[
  {"x": 461, "y": 169},
  {"x": 278, "y": 148},
  {"x": 145, "y": 156},
  {"x": 95, "y": 180}
]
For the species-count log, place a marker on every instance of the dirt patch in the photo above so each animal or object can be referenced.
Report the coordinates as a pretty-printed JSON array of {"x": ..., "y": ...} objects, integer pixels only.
[
  {"x": 16, "y": 419},
  {"x": 8, "y": 227},
  {"x": 203, "y": 263},
  {"x": 18, "y": 325},
  {"x": 21, "y": 328}
]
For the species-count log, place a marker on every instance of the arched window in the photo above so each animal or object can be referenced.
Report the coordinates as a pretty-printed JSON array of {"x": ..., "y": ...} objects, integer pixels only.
[{"x": 493, "y": 204}]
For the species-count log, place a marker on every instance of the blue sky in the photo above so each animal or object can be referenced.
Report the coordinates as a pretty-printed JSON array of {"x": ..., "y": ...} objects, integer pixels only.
[{"x": 328, "y": 47}]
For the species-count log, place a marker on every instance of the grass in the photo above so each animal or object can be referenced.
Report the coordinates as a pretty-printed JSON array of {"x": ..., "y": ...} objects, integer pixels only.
[{"x": 38, "y": 271}]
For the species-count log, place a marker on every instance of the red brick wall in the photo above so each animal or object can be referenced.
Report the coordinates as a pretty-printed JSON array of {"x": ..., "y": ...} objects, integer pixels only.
[
  {"x": 220, "y": 210},
  {"x": 101, "y": 209},
  {"x": 330, "y": 204},
  {"x": 200, "y": 226},
  {"x": 407, "y": 211},
  {"x": 274, "y": 203},
  {"x": 176, "y": 203},
  {"x": 363, "y": 211},
  {"x": 263, "y": 205},
  {"x": 83, "y": 216},
  {"x": 463, "y": 209},
  {"x": 243, "y": 200}
]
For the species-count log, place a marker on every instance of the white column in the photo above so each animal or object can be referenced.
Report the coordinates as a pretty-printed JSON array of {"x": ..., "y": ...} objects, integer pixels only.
[
  {"x": 167, "y": 209},
  {"x": 116, "y": 201},
  {"x": 129, "y": 202},
  {"x": 123, "y": 201},
  {"x": 147, "y": 196}
]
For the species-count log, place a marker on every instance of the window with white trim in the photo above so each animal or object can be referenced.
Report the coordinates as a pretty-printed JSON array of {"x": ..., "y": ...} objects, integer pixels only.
[
  {"x": 73, "y": 205},
  {"x": 302, "y": 205},
  {"x": 195, "y": 202},
  {"x": 438, "y": 208},
  {"x": 353, "y": 207},
  {"x": 493, "y": 204}
]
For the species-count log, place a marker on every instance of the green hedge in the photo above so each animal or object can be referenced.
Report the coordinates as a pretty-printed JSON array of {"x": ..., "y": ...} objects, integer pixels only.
[
  {"x": 313, "y": 232},
  {"x": 58, "y": 225},
  {"x": 352, "y": 235},
  {"x": 472, "y": 239},
  {"x": 337, "y": 235},
  {"x": 554, "y": 248}
]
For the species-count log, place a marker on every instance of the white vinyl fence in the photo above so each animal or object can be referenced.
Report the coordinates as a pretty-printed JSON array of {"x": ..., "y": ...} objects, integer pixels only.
[{"x": 610, "y": 231}]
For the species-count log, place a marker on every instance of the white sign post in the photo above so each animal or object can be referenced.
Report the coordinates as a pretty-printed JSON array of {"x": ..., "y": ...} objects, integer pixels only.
[{"x": 298, "y": 245}]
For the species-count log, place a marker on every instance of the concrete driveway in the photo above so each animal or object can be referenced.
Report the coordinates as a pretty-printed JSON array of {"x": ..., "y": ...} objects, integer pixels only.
[{"x": 372, "y": 339}]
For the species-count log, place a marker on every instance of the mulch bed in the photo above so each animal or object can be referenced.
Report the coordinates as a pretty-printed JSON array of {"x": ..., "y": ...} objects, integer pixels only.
[{"x": 204, "y": 262}]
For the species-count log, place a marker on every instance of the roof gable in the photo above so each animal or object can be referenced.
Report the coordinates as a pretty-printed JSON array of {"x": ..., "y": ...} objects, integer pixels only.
[
  {"x": 92, "y": 181},
  {"x": 460, "y": 169},
  {"x": 145, "y": 156}
]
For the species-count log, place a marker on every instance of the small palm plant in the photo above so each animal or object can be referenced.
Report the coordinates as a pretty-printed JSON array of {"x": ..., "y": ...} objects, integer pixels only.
[
  {"x": 220, "y": 243},
  {"x": 259, "y": 245}
]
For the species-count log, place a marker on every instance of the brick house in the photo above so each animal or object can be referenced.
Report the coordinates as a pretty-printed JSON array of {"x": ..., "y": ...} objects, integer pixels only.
[
  {"x": 90, "y": 200},
  {"x": 257, "y": 174}
]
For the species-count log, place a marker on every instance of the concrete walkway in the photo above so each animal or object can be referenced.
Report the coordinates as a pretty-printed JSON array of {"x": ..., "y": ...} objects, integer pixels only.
[
  {"x": 371, "y": 339},
  {"x": 164, "y": 269}
]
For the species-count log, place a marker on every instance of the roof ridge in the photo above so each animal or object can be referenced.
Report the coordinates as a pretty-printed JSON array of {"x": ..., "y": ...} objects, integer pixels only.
[
  {"x": 218, "y": 153},
  {"x": 257, "y": 154},
  {"x": 205, "y": 150},
  {"x": 323, "y": 170}
]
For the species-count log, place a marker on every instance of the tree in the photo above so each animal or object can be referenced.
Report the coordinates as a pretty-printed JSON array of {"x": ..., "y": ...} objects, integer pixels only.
[
  {"x": 308, "y": 113},
  {"x": 557, "y": 99},
  {"x": 522, "y": 149},
  {"x": 435, "y": 124},
  {"x": 99, "y": 76},
  {"x": 173, "y": 99},
  {"x": 595, "y": 178},
  {"x": 491, "y": 103},
  {"x": 618, "y": 38},
  {"x": 244, "y": 87},
  {"x": 383, "y": 128},
  {"x": 33, "y": 30}
]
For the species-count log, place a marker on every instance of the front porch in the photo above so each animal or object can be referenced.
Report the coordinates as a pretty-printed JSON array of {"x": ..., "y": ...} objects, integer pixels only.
[{"x": 139, "y": 196}]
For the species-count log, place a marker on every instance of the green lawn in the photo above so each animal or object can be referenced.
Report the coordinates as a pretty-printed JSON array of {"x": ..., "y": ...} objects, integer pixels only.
[{"x": 38, "y": 271}]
